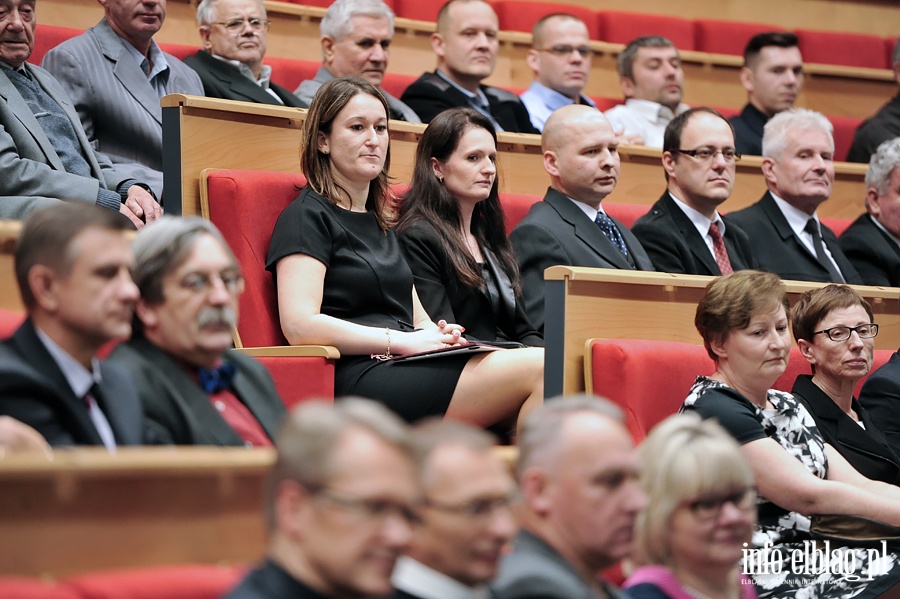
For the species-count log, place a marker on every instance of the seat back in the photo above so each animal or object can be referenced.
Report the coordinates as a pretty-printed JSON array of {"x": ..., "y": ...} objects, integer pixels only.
[
  {"x": 49, "y": 37},
  {"x": 193, "y": 581},
  {"x": 621, "y": 27},
  {"x": 521, "y": 15},
  {"x": 847, "y": 49},
  {"x": 9, "y": 322},
  {"x": 726, "y": 37},
  {"x": 244, "y": 205},
  {"x": 289, "y": 73},
  {"x": 844, "y": 130}
]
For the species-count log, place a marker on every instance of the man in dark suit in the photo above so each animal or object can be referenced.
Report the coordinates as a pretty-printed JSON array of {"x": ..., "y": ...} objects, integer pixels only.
[
  {"x": 884, "y": 125},
  {"x": 230, "y": 65},
  {"x": 466, "y": 46},
  {"x": 683, "y": 232},
  {"x": 569, "y": 226},
  {"x": 340, "y": 504},
  {"x": 785, "y": 232},
  {"x": 872, "y": 242},
  {"x": 880, "y": 395},
  {"x": 466, "y": 516},
  {"x": 194, "y": 388},
  {"x": 73, "y": 267},
  {"x": 578, "y": 477}
]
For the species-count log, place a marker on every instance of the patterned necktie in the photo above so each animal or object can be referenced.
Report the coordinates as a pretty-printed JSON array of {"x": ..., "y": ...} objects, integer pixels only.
[
  {"x": 610, "y": 229},
  {"x": 812, "y": 227},
  {"x": 719, "y": 250},
  {"x": 213, "y": 380}
]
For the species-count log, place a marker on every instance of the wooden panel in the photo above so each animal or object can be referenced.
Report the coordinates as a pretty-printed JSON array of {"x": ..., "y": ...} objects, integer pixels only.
[
  {"x": 615, "y": 304},
  {"x": 88, "y": 509},
  {"x": 9, "y": 290}
]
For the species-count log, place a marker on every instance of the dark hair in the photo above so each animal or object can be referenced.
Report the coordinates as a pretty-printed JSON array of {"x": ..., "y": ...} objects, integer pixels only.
[
  {"x": 47, "y": 237},
  {"x": 625, "y": 60},
  {"x": 780, "y": 39},
  {"x": 429, "y": 201},
  {"x": 328, "y": 102},
  {"x": 816, "y": 304},
  {"x": 675, "y": 128}
]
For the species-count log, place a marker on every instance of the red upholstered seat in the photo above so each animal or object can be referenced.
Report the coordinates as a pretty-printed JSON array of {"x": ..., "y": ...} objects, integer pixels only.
[
  {"x": 515, "y": 15},
  {"x": 9, "y": 322},
  {"x": 604, "y": 103},
  {"x": 726, "y": 37},
  {"x": 289, "y": 73},
  {"x": 395, "y": 83},
  {"x": 180, "y": 51},
  {"x": 49, "y": 37},
  {"x": 21, "y": 587},
  {"x": 172, "y": 582},
  {"x": 626, "y": 213},
  {"x": 621, "y": 27},
  {"x": 838, "y": 225},
  {"x": 844, "y": 129},
  {"x": 848, "y": 49},
  {"x": 516, "y": 206},
  {"x": 420, "y": 10}
]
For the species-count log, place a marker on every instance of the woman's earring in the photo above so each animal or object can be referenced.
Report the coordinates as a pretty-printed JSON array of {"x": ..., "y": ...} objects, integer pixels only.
[{"x": 441, "y": 179}]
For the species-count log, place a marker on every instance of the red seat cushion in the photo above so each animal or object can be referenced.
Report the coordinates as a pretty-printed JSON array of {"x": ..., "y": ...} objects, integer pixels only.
[
  {"x": 847, "y": 49},
  {"x": 844, "y": 130},
  {"x": 516, "y": 206},
  {"x": 21, "y": 587},
  {"x": 49, "y": 37},
  {"x": 420, "y": 10},
  {"x": 515, "y": 15},
  {"x": 289, "y": 73},
  {"x": 180, "y": 51},
  {"x": 621, "y": 27},
  {"x": 9, "y": 322},
  {"x": 171, "y": 582},
  {"x": 626, "y": 213},
  {"x": 726, "y": 37},
  {"x": 395, "y": 83}
]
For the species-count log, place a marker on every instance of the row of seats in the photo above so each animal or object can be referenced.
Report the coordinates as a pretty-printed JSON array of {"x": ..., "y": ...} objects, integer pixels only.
[{"x": 703, "y": 35}]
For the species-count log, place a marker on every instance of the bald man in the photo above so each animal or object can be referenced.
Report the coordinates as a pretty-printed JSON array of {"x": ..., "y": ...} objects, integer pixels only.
[{"x": 569, "y": 226}]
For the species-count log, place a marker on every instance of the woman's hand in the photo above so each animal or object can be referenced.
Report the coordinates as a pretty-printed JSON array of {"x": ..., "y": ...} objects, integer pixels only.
[{"x": 428, "y": 338}]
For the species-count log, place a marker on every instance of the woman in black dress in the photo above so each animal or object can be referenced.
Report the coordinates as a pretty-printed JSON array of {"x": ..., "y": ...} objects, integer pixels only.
[
  {"x": 342, "y": 279},
  {"x": 452, "y": 232}
]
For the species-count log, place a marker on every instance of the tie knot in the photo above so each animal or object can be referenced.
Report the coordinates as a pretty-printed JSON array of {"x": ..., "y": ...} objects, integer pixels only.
[
  {"x": 213, "y": 380},
  {"x": 812, "y": 227}
]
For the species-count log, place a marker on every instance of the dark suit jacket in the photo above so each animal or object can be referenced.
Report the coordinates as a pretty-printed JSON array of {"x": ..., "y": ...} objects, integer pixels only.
[
  {"x": 882, "y": 126},
  {"x": 430, "y": 95},
  {"x": 779, "y": 250},
  {"x": 880, "y": 395},
  {"x": 271, "y": 581},
  {"x": 178, "y": 409},
  {"x": 748, "y": 130},
  {"x": 34, "y": 390},
  {"x": 556, "y": 232},
  {"x": 674, "y": 244},
  {"x": 874, "y": 255},
  {"x": 867, "y": 450},
  {"x": 221, "y": 80},
  {"x": 443, "y": 296}
]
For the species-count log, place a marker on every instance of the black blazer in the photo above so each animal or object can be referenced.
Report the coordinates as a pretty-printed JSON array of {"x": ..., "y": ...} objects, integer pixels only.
[
  {"x": 34, "y": 390},
  {"x": 443, "y": 296},
  {"x": 221, "y": 80},
  {"x": 779, "y": 250},
  {"x": 674, "y": 244},
  {"x": 748, "y": 130},
  {"x": 867, "y": 450},
  {"x": 179, "y": 411},
  {"x": 556, "y": 232},
  {"x": 872, "y": 252},
  {"x": 430, "y": 94},
  {"x": 880, "y": 395}
]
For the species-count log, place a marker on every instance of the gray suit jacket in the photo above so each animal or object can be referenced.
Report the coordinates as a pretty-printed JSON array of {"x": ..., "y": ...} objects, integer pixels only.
[
  {"x": 33, "y": 174},
  {"x": 179, "y": 411},
  {"x": 118, "y": 107},
  {"x": 308, "y": 89}
]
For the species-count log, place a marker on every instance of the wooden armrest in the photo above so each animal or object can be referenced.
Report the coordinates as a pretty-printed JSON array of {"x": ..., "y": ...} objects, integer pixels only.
[{"x": 287, "y": 351}]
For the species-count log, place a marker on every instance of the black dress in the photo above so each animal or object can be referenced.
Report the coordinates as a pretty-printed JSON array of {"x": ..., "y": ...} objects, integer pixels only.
[{"x": 367, "y": 282}]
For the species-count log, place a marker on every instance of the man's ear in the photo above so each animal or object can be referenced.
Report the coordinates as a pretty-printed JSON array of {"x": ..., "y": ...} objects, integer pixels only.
[
  {"x": 535, "y": 490},
  {"x": 205, "y": 30},
  {"x": 328, "y": 43},
  {"x": 146, "y": 314},
  {"x": 551, "y": 163},
  {"x": 43, "y": 282},
  {"x": 746, "y": 77},
  {"x": 437, "y": 44},
  {"x": 293, "y": 509},
  {"x": 626, "y": 84}
]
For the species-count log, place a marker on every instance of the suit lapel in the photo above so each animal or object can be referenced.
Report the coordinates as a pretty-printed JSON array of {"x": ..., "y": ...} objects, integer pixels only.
[
  {"x": 507, "y": 296},
  {"x": 126, "y": 70},
  {"x": 23, "y": 113},
  {"x": 586, "y": 231},
  {"x": 770, "y": 208},
  {"x": 691, "y": 236}
]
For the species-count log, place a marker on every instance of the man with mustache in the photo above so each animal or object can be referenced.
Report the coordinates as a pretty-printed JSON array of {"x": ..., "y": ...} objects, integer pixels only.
[
  {"x": 785, "y": 233},
  {"x": 194, "y": 389}
]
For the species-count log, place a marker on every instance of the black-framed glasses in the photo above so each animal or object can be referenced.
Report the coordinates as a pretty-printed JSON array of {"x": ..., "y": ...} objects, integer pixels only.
[
  {"x": 203, "y": 282},
  {"x": 710, "y": 507},
  {"x": 707, "y": 154},
  {"x": 374, "y": 509},
  {"x": 865, "y": 331},
  {"x": 481, "y": 507},
  {"x": 236, "y": 25},
  {"x": 563, "y": 50}
]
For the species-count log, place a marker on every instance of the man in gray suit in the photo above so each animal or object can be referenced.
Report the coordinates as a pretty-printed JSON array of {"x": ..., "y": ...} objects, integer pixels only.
[
  {"x": 45, "y": 155},
  {"x": 578, "y": 475},
  {"x": 194, "y": 388},
  {"x": 116, "y": 74}
]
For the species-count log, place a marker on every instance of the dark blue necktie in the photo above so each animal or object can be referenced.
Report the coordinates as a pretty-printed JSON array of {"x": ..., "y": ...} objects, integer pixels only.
[
  {"x": 213, "y": 380},
  {"x": 610, "y": 229}
]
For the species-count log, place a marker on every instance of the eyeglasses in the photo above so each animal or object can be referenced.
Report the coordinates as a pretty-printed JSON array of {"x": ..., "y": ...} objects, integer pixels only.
[
  {"x": 707, "y": 154},
  {"x": 201, "y": 282},
  {"x": 237, "y": 25},
  {"x": 563, "y": 50},
  {"x": 476, "y": 508},
  {"x": 865, "y": 331},
  {"x": 371, "y": 509},
  {"x": 709, "y": 508}
]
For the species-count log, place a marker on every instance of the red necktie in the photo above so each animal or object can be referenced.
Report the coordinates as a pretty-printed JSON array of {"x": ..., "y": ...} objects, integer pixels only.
[{"x": 719, "y": 250}]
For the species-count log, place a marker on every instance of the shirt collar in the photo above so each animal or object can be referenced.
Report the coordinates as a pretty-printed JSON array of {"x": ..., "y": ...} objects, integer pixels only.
[
  {"x": 265, "y": 74},
  {"x": 554, "y": 100},
  {"x": 589, "y": 210},
  {"x": 795, "y": 217},
  {"x": 155, "y": 55},
  {"x": 418, "y": 579},
  {"x": 699, "y": 219},
  {"x": 80, "y": 379},
  {"x": 654, "y": 111},
  {"x": 478, "y": 97}
]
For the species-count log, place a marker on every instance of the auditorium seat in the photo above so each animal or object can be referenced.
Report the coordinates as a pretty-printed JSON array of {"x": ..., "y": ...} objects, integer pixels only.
[
  {"x": 844, "y": 130},
  {"x": 395, "y": 83},
  {"x": 627, "y": 214},
  {"x": 9, "y": 322},
  {"x": 521, "y": 15},
  {"x": 193, "y": 581},
  {"x": 621, "y": 27},
  {"x": 847, "y": 49},
  {"x": 180, "y": 51},
  {"x": 516, "y": 206},
  {"x": 726, "y": 37},
  {"x": 420, "y": 10},
  {"x": 22, "y": 587},
  {"x": 289, "y": 73},
  {"x": 839, "y": 225},
  {"x": 604, "y": 103},
  {"x": 47, "y": 38}
]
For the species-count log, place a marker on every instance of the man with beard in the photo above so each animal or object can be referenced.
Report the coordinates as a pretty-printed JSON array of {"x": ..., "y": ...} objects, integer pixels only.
[{"x": 194, "y": 390}]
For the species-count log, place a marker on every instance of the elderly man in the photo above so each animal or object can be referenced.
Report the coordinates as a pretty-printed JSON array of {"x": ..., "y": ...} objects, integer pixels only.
[
  {"x": 45, "y": 155},
  {"x": 116, "y": 74},
  {"x": 195, "y": 390},
  {"x": 773, "y": 77},
  {"x": 881, "y": 127},
  {"x": 230, "y": 65},
  {"x": 652, "y": 82},
  {"x": 578, "y": 476},
  {"x": 73, "y": 266},
  {"x": 561, "y": 60},
  {"x": 872, "y": 242},
  {"x": 683, "y": 232},
  {"x": 569, "y": 226},
  {"x": 785, "y": 232},
  {"x": 466, "y": 46},
  {"x": 340, "y": 504},
  {"x": 466, "y": 517},
  {"x": 356, "y": 40}
]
